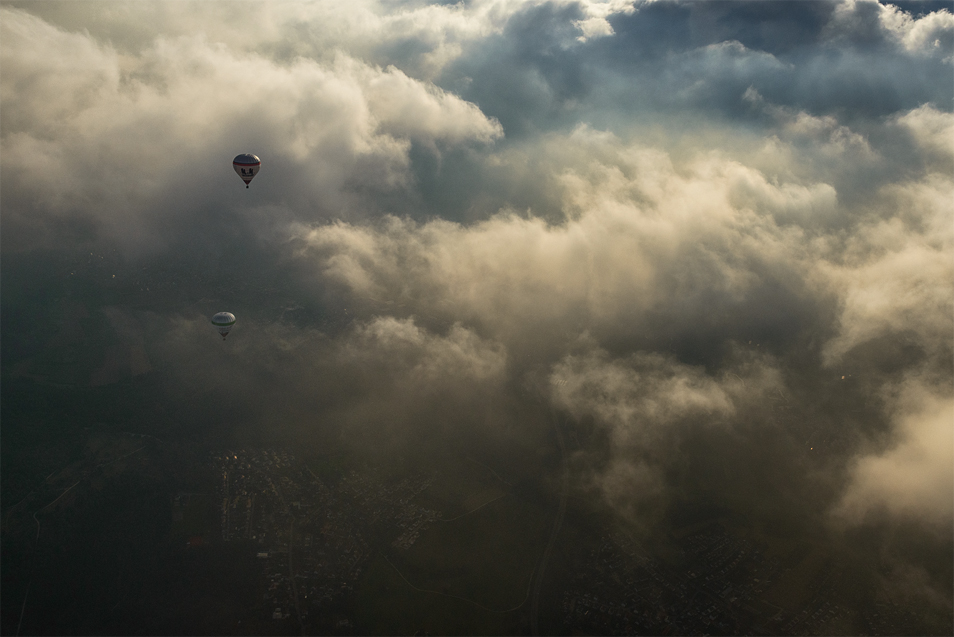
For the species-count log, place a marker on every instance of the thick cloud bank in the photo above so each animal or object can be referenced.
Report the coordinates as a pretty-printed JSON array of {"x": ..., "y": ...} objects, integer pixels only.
[
  {"x": 714, "y": 240},
  {"x": 914, "y": 476},
  {"x": 125, "y": 132}
]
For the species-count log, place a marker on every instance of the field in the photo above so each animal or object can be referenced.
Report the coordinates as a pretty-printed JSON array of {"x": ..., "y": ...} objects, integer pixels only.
[
  {"x": 468, "y": 575},
  {"x": 192, "y": 516},
  {"x": 461, "y": 487},
  {"x": 793, "y": 590}
]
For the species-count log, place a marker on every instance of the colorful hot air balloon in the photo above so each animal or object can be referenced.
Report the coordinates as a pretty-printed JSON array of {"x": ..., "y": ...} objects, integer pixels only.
[
  {"x": 223, "y": 322},
  {"x": 246, "y": 166}
]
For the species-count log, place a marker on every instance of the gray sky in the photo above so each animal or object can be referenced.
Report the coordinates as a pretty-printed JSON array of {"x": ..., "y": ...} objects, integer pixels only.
[{"x": 697, "y": 230}]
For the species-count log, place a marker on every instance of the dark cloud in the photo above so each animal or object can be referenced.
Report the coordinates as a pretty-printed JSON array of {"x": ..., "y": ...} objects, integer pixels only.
[
  {"x": 531, "y": 73},
  {"x": 857, "y": 60},
  {"x": 776, "y": 27}
]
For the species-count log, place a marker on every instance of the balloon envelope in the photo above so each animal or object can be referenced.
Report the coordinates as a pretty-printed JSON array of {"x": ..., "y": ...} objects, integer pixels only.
[
  {"x": 223, "y": 322},
  {"x": 246, "y": 166}
]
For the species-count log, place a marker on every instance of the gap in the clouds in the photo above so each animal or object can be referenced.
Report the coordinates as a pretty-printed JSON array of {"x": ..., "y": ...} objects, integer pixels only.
[
  {"x": 450, "y": 184},
  {"x": 530, "y": 77},
  {"x": 697, "y": 59},
  {"x": 920, "y": 8}
]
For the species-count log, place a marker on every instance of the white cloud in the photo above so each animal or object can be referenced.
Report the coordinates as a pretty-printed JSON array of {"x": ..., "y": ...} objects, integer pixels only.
[
  {"x": 895, "y": 275},
  {"x": 596, "y": 25},
  {"x": 640, "y": 235},
  {"x": 406, "y": 108},
  {"x": 634, "y": 397},
  {"x": 647, "y": 235},
  {"x": 419, "y": 38},
  {"x": 89, "y": 133},
  {"x": 934, "y": 132},
  {"x": 869, "y": 21},
  {"x": 929, "y": 35},
  {"x": 428, "y": 362},
  {"x": 823, "y": 133},
  {"x": 384, "y": 376},
  {"x": 914, "y": 477}
]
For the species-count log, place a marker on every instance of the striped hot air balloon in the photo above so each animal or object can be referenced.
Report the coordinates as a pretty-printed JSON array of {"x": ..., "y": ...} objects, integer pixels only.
[{"x": 246, "y": 166}]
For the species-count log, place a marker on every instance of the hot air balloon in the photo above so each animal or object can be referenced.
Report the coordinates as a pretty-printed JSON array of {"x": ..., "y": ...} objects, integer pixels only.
[
  {"x": 246, "y": 166},
  {"x": 223, "y": 322}
]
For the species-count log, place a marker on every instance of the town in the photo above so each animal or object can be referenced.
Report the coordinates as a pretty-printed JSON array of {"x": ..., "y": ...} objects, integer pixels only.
[
  {"x": 719, "y": 589},
  {"x": 314, "y": 536},
  {"x": 316, "y": 525}
]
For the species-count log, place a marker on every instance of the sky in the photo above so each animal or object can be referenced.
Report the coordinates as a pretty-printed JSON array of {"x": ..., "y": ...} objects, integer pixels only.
[{"x": 714, "y": 240}]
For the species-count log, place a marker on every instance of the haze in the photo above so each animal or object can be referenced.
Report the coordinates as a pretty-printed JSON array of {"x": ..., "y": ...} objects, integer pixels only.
[{"x": 668, "y": 269}]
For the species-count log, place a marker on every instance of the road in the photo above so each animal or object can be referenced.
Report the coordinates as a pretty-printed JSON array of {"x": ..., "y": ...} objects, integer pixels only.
[
  {"x": 291, "y": 571},
  {"x": 36, "y": 541},
  {"x": 557, "y": 523}
]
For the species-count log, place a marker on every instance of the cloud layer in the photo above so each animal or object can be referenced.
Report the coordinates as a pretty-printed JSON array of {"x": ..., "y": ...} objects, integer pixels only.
[{"x": 715, "y": 240}]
